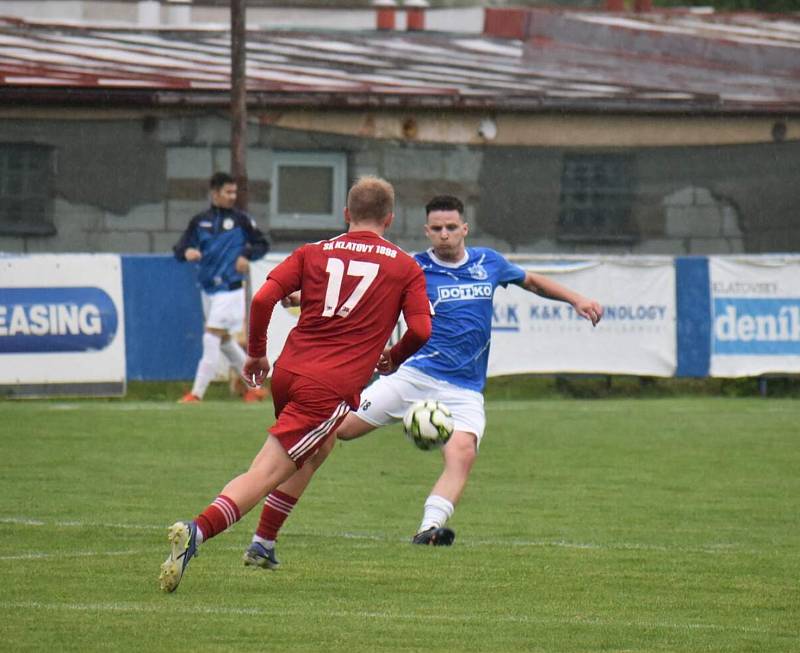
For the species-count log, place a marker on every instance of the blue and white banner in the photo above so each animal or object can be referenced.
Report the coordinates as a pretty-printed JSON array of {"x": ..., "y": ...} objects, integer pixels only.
[
  {"x": 61, "y": 320},
  {"x": 755, "y": 303},
  {"x": 531, "y": 334},
  {"x": 636, "y": 335}
]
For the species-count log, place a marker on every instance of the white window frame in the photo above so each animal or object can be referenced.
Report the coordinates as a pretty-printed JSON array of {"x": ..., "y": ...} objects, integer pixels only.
[{"x": 338, "y": 163}]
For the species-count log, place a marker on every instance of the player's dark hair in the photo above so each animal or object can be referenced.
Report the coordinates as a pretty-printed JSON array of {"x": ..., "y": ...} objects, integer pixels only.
[
  {"x": 371, "y": 199},
  {"x": 219, "y": 179},
  {"x": 444, "y": 203}
]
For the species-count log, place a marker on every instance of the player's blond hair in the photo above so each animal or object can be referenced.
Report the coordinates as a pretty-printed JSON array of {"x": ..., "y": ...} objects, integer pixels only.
[{"x": 370, "y": 199}]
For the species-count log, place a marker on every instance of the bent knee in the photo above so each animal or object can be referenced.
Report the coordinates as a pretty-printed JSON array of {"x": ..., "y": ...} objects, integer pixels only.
[{"x": 462, "y": 446}]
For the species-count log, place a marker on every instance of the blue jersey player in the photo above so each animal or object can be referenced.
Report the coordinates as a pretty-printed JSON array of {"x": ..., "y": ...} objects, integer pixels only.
[
  {"x": 223, "y": 241},
  {"x": 451, "y": 367}
]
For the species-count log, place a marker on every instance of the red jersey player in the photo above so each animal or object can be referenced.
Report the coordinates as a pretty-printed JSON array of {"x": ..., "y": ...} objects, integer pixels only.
[{"x": 353, "y": 288}]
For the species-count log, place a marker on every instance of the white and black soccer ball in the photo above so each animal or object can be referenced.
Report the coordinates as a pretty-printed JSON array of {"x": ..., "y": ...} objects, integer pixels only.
[{"x": 428, "y": 424}]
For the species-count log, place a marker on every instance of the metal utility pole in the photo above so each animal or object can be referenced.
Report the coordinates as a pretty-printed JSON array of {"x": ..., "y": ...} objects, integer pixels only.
[{"x": 239, "y": 100}]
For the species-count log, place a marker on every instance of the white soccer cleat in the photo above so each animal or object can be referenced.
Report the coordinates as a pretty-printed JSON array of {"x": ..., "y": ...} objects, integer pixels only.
[{"x": 182, "y": 537}]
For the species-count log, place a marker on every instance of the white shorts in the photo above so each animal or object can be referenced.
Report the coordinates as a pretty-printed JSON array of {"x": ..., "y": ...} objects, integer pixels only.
[
  {"x": 388, "y": 398},
  {"x": 224, "y": 310}
]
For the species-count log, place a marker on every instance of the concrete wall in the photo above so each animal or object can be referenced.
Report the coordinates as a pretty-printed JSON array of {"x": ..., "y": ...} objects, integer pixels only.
[
  {"x": 687, "y": 200},
  {"x": 130, "y": 184}
]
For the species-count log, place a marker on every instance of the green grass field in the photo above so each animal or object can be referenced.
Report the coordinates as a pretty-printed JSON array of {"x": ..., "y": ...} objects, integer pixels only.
[{"x": 613, "y": 525}]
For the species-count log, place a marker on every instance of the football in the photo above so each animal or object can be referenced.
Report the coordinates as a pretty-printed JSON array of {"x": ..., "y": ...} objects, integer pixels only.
[{"x": 428, "y": 424}]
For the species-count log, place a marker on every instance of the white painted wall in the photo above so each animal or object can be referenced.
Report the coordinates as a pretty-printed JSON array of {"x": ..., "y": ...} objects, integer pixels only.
[{"x": 153, "y": 13}]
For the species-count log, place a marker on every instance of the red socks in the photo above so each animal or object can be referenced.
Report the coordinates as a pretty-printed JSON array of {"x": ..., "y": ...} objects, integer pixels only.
[
  {"x": 277, "y": 507},
  {"x": 223, "y": 512},
  {"x": 217, "y": 517}
]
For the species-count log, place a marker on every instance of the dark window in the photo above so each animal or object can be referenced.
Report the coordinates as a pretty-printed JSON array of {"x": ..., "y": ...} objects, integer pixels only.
[
  {"x": 309, "y": 190},
  {"x": 25, "y": 182},
  {"x": 597, "y": 193},
  {"x": 305, "y": 189}
]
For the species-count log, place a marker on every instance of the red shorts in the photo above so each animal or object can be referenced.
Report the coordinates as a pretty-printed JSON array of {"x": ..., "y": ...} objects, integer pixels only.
[{"x": 307, "y": 413}]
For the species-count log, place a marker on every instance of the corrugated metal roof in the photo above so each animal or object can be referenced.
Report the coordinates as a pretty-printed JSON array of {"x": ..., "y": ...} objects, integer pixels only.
[{"x": 567, "y": 60}]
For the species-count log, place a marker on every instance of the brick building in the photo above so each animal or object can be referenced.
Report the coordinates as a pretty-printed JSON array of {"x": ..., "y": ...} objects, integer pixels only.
[{"x": 565, "y": 131}]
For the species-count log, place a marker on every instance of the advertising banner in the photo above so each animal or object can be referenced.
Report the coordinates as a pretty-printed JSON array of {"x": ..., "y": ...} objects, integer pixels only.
[
  {"x": 531, "y": 334},
  {"x": 636, "y": 335},
  {"x": 755, "y": 303},
  {"x": 62, "y": 324}
]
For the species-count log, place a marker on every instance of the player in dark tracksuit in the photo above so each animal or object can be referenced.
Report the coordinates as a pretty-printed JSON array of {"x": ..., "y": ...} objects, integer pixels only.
[{"x": 223, "y": 241}]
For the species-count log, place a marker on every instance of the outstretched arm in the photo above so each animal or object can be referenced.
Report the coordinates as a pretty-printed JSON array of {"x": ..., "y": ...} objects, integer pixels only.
[{"x": 545, "y": 287}]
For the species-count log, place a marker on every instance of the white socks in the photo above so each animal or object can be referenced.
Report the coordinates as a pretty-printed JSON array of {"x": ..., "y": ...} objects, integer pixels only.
[
  {"x": 209, "y": 362},
  {"x": 207, "y": 367},
  {"x": 437, "y": 511},
  {"x": 234, "y": 353},
  {"x": 267, "y": 544}
]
